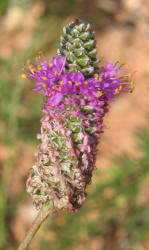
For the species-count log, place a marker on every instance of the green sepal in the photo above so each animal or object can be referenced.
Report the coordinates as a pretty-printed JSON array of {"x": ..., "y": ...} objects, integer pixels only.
[
  {"x": 92, "y": 53},
  {"x": 89, "y": 44},
  {"x": 79, "y": 52},
  {"x": 83, "y": 61}
]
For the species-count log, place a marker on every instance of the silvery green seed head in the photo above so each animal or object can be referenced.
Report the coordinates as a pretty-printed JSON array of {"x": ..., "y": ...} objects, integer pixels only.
[{"x": 64, "y": 160}]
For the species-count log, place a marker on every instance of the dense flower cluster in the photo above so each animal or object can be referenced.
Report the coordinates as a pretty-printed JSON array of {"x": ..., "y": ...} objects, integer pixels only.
[
  {"x": 73, "y": 118},
  {"x": 57, "y": 82}
]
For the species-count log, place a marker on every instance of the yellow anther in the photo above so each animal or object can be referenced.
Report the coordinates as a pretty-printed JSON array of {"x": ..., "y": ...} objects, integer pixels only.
[
  {"x": 28, "y": 61},
  {"x": 40, "y": 52},
  {"x": 22, "y": 68},
  {"x": 129, "y": 75},
  {"x": 127, "y": 66},
  {"x": 32, "y": 69},
  {"x": 100, "y": 79},
  {"x": 54, "y": 87},
  {"x": 55, "y": 73},
  {"x": 70, "y": 82},
  {"x": 51, "y": 64},
  {"x": 116, "y": 91},
  {"x": 133, "y": 88},
  {"x": 96, "y": 75},
  {"x": 86, "y": 82},
  {"x": 37, "y": 58},
  {"x": 44, "y": 78},
  {"x": 23, "y": 76},
  {"x": 44, "y": 85},
  {"x": 120, "y": 88},
  {"x": 62, "y": 83},
  {"x": 76, "y": 83},
  {"x": 99, "y": 93},
  {"x": 39, "y": 67},
  {"x": 132, "y": 83},
  {"x": 60, "y": 89}
]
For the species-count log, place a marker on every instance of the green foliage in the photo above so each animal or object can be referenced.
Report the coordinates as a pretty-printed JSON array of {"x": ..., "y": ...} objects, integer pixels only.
[{"x": 3, "y": 5}]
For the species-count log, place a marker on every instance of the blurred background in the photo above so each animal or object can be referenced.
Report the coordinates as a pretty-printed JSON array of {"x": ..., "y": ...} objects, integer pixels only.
[{"x": 116, "y": 213}]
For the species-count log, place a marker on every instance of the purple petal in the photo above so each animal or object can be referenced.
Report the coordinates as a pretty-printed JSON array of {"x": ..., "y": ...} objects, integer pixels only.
[
  {"x": 60, "y": 63},
  {"x": 37, "y": 88},
  {"x": 76, "y": 77},
  {"x": 79, "y": 77},
  {"x": 56, "y": 99}
]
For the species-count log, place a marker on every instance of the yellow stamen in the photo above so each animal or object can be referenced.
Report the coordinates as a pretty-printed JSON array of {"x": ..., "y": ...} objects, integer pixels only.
[
  {"x": 44, "y": 78},
  {"x": 24, "y": 76},
  {"x": 40, "y": 52},
  {"x": 121, "y": 87},
  {"x": 116, "y": 91},
  {"x": 96, "y": 75},
  {"x": 132, "y": 83},
  {"x": 70, "y": 82},
  {"x": 132, "y": 90},
  {"x": 28, "y": 61},
  {"x": 60, "y": 89},
  {"x": 54, "y": 87},
  {"x": 44, "y": 85},
  {"x": 99, "y": 93},
  {"x": 51, "y": 64},
  {"x": 127, "y": 66},
  {"x": 76, "y": 83},
  {"x": 39, "y": 67},
  {"x": 62, "y": 82},
  {"x": 32, "y": 68},
  {"x": 22, "y": 68},
  {"x": 55, "y": 73},
  {"x": 100, "y": 79},
  {"x": 86, "y": 82},
  {"x": 37, "y": 58},
  {"x": 129, "y": 75}
]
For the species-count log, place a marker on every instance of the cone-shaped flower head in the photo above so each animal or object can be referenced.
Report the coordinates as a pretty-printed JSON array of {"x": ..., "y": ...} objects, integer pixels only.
[
  {"x": 73, "y": 119},
  {"x": 78, "y": 47}
]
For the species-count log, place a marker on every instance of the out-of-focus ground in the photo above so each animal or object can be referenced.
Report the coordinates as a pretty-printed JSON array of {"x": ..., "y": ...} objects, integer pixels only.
[{"x": 122, "y": 32}]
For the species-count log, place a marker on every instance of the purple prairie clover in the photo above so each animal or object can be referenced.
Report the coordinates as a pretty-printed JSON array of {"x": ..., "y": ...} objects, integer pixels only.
[{"x": 77, "y": 99}]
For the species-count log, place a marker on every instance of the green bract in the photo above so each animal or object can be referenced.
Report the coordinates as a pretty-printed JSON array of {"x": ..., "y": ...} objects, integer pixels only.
[{"x": 78, "y": 46}]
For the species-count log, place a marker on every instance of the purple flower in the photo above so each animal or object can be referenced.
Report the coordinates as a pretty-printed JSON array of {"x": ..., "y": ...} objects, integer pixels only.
[{"x": 58, "y": 82}]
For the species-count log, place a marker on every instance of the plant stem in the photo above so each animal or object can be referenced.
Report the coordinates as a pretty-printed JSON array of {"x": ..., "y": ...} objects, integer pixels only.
[{"x": 42, "y": 215}]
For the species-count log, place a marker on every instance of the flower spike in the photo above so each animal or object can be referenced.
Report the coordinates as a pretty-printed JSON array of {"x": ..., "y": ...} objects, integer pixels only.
[{"x": 78, "y": 93}]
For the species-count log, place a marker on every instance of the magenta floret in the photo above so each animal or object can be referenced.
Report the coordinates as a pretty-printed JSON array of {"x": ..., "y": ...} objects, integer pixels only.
[{"x": 58, "y": 82}]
